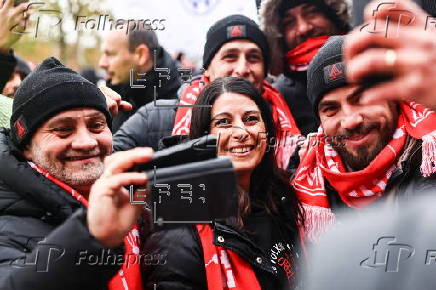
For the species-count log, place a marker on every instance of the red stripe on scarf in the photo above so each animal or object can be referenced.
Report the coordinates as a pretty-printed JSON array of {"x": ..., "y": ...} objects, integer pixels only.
[
  {"x": 129, "y": 276},
  {"x": 224, "y": 268},
  {"x": 287, "y": 130},
  {"x": 299, "y": 58},
  {"x": 360, "y": 188}
]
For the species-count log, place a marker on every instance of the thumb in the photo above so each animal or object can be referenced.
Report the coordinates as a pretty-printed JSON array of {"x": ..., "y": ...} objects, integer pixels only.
[{"x": 125, "y": 106}]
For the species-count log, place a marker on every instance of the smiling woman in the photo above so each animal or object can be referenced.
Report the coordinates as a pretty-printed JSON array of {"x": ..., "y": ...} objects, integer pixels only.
[{"x": 258, "y": 248}]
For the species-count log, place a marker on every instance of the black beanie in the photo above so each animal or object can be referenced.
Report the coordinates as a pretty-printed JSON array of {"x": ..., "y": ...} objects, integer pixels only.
[
  {"x": 231, "y": 28},
  {"x": 48, "y": 90},
  {"x": 326, "y": 72}
]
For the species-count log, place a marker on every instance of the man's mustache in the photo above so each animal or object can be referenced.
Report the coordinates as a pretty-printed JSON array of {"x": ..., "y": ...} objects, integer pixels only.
[
  {"x": 362, "y": 129},
  {"x": 82, "y": 154}
]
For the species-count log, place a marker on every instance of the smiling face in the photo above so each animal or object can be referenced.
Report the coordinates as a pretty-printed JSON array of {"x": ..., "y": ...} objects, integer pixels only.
[
  {"x": 71, "y": 146},
  {"x": 303, "y": 22},
  {"x": 237, "y": 122},
  {"x": 366, "y": 129},
  {"x": 238, "y": 58}
]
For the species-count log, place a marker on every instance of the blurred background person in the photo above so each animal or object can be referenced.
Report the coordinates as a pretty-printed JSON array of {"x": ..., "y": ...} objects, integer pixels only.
[
  {"x": 258, "y": 248},
  {"x": 296, "y": 30},
  {"x": 12, "y": 16},
  {"x": 22, "y": 69},
  {"x": 10, "y": 78},
  {"x": 128, "y": 59}
]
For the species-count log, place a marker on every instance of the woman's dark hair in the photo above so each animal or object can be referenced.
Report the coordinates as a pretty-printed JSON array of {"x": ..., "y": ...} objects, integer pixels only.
[{"x": 269, "y": 186}]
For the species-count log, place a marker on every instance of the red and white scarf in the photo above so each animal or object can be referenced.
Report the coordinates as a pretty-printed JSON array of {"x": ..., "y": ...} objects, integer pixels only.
[
  {"x": 224, "y": 268},
  {"x": 287, "y": 130},
  {"x": 129, "y": 276},
  {"x": 299, "y": 58},
  {"x": 360, "y": 188}
]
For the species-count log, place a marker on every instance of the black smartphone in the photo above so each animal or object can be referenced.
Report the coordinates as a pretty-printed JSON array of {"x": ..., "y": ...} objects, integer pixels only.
[{"x": 191, "y": 151}]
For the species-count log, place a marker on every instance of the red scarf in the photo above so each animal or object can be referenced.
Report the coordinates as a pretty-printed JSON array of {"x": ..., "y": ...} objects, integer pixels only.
[
  {"x": 129, "y": 276},
  {"x": 224, "y": 268},
  {"x": 287, "y": 130},
  {"x": 360, "y": 188},
  {"x": 299, "y": 58}
]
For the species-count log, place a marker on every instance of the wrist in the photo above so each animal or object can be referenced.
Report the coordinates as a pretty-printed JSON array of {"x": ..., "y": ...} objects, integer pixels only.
[{"x": 109, "y": 241}]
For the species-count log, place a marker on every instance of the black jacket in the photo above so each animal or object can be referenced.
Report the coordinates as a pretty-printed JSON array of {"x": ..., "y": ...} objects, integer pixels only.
[
  {"x": 43, "y": 232},
  {"x": 185, "y": 265},
  {"x": 7, "y": 66},
  {"x": 165, "y": 89},
  {"x": 147, "y": 126},
  {"x": 293, "y": 87}
]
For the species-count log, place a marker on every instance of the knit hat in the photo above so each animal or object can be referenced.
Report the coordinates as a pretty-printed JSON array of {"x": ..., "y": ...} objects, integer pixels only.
[
  {"x": 48, "y": 90},
  {"x": 231, "y": 28},
  {"x": 326, "y": 72},
  {"x": 328, "y": 10}
]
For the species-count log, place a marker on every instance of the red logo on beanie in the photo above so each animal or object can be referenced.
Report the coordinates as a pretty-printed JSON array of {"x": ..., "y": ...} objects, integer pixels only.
[
  {"x": 335, "y": 73},
  {"x": 20, "y": 127},
  {"x": 236, "y": 31}
]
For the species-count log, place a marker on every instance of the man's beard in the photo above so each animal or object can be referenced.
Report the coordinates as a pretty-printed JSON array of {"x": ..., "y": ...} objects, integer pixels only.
[
  {"x": 364, "y": 155},
  {"x": 315, "y": 33},
  {"x": 85, "y": 175}
]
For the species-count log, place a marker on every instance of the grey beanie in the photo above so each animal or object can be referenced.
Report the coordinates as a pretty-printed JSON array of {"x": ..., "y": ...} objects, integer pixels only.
[{"x": 326, "y": 71}]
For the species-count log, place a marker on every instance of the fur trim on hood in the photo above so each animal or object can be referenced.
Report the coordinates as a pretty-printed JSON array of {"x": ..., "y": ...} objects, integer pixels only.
[{"x": 270, "y": 25}]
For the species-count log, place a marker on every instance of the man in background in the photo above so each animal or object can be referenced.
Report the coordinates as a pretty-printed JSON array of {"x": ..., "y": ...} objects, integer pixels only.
[{"x": 138, "y": 68}]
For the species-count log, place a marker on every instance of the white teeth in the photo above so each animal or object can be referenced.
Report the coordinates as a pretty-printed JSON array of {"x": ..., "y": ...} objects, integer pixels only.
[{"x": 240, "y": 150}]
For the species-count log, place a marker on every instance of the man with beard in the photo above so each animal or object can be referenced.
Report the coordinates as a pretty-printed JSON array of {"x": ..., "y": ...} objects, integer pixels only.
[
  {"x": 364, "y": 154},
  {"x": 139, "y": 52},
  {"x": 296, "y": 30},
  {"x": 61, "y": 206}
]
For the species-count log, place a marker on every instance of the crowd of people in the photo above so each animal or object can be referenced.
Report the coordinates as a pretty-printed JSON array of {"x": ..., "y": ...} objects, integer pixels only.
[{"x": 361, "y": 103}]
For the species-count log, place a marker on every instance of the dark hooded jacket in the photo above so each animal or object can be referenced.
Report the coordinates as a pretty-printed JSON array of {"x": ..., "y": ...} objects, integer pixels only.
[
  {"x": 147, "y": 126},
  {"x": 155, "y": 79},
  {"x": 43, "y": 232},
  {"x": 293, "y": 85}
]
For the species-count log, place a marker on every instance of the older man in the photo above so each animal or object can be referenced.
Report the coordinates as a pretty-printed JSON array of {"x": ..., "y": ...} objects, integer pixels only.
[
  {"x": 49, "y": 160},
  {"x": 367, "y": 153}
]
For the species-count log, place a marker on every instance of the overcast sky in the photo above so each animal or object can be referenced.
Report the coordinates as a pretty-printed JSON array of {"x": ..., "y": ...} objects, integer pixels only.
[{"x": 186, "y": 21}]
